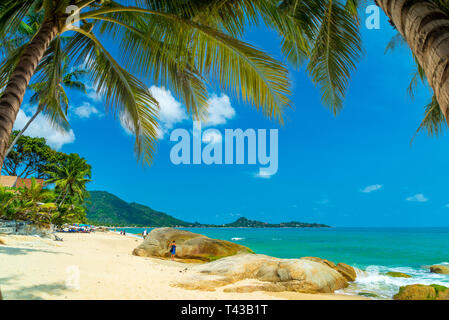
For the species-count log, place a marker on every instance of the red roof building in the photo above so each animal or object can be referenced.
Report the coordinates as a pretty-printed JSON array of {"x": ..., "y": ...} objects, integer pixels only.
[{"x": 16, "y": 182}]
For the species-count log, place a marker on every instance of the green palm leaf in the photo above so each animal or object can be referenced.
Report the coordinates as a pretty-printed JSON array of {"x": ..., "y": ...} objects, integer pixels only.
[
  {"x": 335, "y": 53},
  {"x": 123, "y": 93}
]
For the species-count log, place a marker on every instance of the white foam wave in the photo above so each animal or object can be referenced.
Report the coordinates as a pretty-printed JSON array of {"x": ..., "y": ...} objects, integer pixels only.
[
  {"x": 237, "y": 239},
  {"x": 373, "y": 281}
]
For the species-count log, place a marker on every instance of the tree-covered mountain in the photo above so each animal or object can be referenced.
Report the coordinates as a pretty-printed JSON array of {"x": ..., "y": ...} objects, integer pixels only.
[
  {"x": 104, "y": 208},
  {"x": 107, "y": 209}
]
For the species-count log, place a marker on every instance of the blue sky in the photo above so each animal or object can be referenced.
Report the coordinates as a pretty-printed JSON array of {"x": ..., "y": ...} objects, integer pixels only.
[{"x": 356, "y": 169}]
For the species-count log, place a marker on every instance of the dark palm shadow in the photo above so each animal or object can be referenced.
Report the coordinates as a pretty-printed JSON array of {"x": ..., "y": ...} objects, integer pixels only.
[
  {"x": 6, "y": 280},
  {"x": 35, "y": 292},
  {"x": 18, "y": 251}
]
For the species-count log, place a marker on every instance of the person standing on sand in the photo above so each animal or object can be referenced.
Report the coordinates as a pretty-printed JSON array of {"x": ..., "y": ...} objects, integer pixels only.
[
  {"x": 173, "y": 250},
  {"x": 145, "y": 234}
]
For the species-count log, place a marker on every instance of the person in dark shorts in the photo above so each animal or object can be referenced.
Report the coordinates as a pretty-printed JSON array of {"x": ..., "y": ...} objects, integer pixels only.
[{"x": 173, "y": 250}]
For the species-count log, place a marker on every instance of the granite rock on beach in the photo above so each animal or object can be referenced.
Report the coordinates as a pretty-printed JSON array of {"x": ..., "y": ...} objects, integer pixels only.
[
  {"x": 345, "y": 270},
  {"x": 422, "y": 292},
  {"x": 267, "y": 274},
  {"x": 189, "y": 245},
  {"x": 233, "y": 263},
  {"x": 440, "y": 269}
]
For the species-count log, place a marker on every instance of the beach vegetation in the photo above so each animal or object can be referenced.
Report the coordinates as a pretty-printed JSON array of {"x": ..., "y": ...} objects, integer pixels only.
[
  {"x": 70, "y": 178},
  {"x": 60, "y": 199},
  {"x": 31, "y": 157}
]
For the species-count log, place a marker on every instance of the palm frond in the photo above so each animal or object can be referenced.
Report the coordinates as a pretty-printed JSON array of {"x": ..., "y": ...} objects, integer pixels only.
[
  {"x": 434, "y": 121},
  {"x": 396, "y": 41},
  {"x": 124, "y": 94},
  {"x": 248, "y": 73},
  {"x": 49, "y": 75},
  {"x": 8, "y": 65},
  {"x": 147, "y": 56},
  {"x": 335, "y": 53}
]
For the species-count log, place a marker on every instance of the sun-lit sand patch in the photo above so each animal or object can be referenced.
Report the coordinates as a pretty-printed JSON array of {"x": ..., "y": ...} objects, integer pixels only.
[{"x": 35, "y": 268}]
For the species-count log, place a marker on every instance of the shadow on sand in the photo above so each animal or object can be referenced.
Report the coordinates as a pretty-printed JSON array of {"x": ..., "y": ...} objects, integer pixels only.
[
  {"x": 35, "y": 292},
  {"x": 8, "y": 250}
]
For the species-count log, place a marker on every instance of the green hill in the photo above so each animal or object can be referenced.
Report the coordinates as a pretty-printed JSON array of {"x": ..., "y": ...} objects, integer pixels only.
[
  {"x": 246, "y": 223},
  {"x": 107, "y": 209},
  {"x": 104, "y": 208}
]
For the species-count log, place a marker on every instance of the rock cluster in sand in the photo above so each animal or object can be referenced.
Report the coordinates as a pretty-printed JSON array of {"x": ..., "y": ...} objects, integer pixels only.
[
  {"x": 189, "y": 245},
  {"x": 268, "y": 274}
]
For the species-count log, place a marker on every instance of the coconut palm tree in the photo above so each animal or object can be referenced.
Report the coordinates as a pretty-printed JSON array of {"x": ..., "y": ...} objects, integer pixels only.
[
  {"x": 30, "y": 198},
  {"x": 70, "y": 177},
  {"x": 423, "y": 24},
  {"x": 183, "y": 44},
  {"x": 52, "y": 107}
]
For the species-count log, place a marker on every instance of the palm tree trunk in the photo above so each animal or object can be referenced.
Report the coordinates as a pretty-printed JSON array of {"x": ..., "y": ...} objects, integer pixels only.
[
  {"x": 39, "y": 110},
  {"x": 59, "y": 196},
  {"x": 426, "y": 29},
  {"x": 63, "y": 199},
  {"x": 12, "y": 97}
]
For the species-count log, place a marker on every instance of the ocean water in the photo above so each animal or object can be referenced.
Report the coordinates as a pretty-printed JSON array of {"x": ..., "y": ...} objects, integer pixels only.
[{"x": 374, "y": 251}]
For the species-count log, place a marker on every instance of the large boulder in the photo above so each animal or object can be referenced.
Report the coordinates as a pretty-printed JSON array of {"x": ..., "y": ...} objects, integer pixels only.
[
  {"x": 255, "y": 272},
  {"x": 189, "y": 245},
  {"x": 422, "y": 292},
  {"x": 345, "y": 270},
  {"x": 440, "y": 269}
]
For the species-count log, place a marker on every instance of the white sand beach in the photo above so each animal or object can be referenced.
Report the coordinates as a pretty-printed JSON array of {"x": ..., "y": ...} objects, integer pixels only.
[{"x": 36, "y": 268}]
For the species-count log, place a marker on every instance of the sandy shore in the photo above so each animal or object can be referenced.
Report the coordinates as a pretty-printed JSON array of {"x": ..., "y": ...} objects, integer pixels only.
[{"x": 35, "y": 268}]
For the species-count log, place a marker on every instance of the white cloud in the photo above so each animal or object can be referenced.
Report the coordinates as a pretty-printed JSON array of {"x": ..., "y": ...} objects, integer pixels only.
[
  {"x": 219, "y": 111},
  {"x": 92, "y": 94},
  {"x": 41, "y": 127},
  {"x": 417, "y": 198},
  {"x": 371, "y": 188},
  {"x": 86, "y": 110},
  {"x": 212, "y": 136},
  {"x": 171, "y": 110}
]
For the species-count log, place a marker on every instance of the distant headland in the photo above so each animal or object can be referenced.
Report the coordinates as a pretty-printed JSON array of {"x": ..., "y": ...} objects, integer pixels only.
[{"x": 104, "y": 208}]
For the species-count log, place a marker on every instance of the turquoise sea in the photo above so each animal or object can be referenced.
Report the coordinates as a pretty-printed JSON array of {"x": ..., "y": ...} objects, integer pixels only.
[{"x": 372, "y": 250}]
